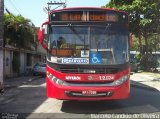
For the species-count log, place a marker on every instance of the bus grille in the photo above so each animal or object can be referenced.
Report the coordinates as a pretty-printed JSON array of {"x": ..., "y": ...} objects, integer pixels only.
[{"x": 91, "y": 70}]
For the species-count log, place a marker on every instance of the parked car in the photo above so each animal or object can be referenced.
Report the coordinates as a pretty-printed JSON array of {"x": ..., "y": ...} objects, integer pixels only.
[
  {"x": 1, "y": 87},
  {"x": 158, "y": 68},
  {"x": 134, "y": 66},
  {"x": 39, "y": 69}
]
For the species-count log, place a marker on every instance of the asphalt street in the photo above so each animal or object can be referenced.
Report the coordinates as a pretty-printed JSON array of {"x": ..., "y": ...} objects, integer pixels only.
[{"x": 30, "y": 100}]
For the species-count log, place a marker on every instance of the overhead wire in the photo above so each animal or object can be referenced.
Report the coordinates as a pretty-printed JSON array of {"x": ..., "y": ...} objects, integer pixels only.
[{"x": 15, "y": 7}]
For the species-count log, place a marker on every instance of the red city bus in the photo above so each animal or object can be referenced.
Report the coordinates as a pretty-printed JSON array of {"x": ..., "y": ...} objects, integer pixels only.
[{"x": 87, "y": 54}]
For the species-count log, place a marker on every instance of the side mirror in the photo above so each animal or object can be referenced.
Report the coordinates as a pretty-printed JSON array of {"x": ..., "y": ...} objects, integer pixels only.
[
  {"x": 41, "y": 35},
  {"x": 130, "y": 39}
]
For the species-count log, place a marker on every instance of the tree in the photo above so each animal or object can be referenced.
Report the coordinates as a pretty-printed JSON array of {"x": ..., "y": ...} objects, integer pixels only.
[
  {"x": 144, "y": 20},
  {"x": 18, "y": 31}
]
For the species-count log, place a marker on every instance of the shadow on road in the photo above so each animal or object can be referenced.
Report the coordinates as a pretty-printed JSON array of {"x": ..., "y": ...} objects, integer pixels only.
[
  {"x": 141, "y": 100},
  {"x": 142, "y": 86},
  {"x": 23, "y": 100},
  {"x": 19, "y": 81}
]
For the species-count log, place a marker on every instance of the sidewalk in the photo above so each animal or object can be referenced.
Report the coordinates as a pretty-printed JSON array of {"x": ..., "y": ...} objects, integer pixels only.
[
  {"x": 15, "y": 82},
  {"x": 146, "y": 79}
]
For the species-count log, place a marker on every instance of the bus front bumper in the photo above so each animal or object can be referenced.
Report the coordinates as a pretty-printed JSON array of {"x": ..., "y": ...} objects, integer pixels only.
[{"x": 87, "y": 93}]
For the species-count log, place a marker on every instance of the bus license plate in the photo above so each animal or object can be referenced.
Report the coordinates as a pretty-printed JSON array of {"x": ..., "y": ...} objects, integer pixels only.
[{"x": 89, "y": 92}]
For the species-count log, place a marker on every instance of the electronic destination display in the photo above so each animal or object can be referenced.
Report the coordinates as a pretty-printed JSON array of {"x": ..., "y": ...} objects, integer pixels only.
[{"x": 100, "y": 16}]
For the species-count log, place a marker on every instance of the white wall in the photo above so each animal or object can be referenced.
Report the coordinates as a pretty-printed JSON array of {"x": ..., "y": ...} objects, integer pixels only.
[
  {"x": 22, "y": 63},
  {"x": 8, "y": 63},
  {"x": 40, "y": 49},
  {"x": 8, "y": 57},
  {"x": 1, "y": 68}
]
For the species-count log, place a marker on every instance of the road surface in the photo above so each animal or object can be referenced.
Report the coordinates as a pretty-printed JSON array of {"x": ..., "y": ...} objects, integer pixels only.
[{"x": 29, "y": 100}]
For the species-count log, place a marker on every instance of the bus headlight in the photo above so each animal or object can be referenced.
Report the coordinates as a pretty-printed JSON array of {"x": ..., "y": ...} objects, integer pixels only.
[
  {"x": 121, "y": 80},
  {"x": 56, "y": 80}
]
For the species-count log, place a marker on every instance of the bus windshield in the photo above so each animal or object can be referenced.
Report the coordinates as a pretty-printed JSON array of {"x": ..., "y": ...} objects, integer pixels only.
[{"x": 100, "y": 45}]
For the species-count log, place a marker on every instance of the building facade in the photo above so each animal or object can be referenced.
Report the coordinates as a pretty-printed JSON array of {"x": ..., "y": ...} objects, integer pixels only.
[{"x": 19, "y": 62}]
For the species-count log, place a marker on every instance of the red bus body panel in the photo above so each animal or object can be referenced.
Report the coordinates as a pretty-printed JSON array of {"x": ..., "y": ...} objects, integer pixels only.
[{"x": 58, "y": 91}]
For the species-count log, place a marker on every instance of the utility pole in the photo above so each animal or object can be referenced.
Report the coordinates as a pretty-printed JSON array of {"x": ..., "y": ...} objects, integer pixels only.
[
  {"x": 1, "y": 43},
  {"x": 57, "y": 4}
]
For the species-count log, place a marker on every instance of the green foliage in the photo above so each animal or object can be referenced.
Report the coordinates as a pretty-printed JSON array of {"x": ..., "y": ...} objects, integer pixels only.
[
  {"x": 154, "y": 42},
  {"x": 146, "y": 63},
  {"x": 144, "y": 14},
  {"x": 135, "y": 46},
  {"x": 143, "y": 22},
  {"x": 18, "y": 30}
]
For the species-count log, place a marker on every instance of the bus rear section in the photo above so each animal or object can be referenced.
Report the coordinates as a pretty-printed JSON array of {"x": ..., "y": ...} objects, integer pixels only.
[{"x": 87, "y": 54}]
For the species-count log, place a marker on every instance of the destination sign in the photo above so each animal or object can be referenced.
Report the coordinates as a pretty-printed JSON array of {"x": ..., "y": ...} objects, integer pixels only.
[
  {"x": 71, "y": 17},
  {"x": 89, "y": 16},
  {"x": 102, "y": 16}
]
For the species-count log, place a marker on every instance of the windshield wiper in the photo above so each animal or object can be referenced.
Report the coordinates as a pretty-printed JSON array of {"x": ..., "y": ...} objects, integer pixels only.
[
  {"x": 107, "y": 28},
  {"x": 75, "y": 32},
  {"x": 98, "y": 43}
]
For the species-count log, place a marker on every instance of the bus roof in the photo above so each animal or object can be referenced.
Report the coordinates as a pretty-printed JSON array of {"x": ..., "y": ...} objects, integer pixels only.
[{"x": 87, "y": 8}]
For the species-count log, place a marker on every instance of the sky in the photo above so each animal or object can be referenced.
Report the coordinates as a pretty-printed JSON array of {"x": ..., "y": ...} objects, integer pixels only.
[{"x": 34, "y": 9}]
